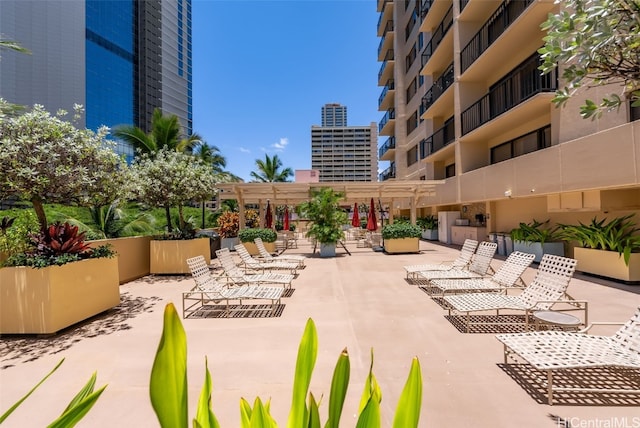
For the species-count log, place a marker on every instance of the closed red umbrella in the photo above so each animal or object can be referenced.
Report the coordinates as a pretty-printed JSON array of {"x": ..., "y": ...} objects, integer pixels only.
[
  {"x": 372, "y": 223},
  {"x": 285, "y": 224},
  {"x": 355, "y": 219},
  {"x": 268, "y": 217}
]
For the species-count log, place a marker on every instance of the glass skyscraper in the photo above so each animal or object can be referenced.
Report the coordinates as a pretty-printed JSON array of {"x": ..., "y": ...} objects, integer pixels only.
[{"x": 121, "y": 59}]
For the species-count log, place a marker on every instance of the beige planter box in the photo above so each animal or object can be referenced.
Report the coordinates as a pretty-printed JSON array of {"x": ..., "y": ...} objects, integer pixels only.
[
  {"x": 252, "y": 248},
  {"x": 170, "y": 257},
  {"x": 608, "y": 264},
  {"x": 133, "y": 252},
  {"x": 403, "y": 245},
  {"x": 44, "y": 301}
]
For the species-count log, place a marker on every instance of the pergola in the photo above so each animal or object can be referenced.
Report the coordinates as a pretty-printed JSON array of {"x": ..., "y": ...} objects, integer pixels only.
[{"x": 387, "y": 192}]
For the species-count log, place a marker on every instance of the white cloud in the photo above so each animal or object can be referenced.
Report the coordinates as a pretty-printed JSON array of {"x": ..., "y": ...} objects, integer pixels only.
[
  {"x": 280, "y": 146},
  {"x": 243, "y": 150}
]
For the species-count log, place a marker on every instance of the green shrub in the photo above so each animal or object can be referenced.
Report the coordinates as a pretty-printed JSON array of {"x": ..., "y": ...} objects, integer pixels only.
[
  {"x": 536, "y": 231},
  {"x": 429, "y": 222},
  {"x": 401, "y": 230},
  {"x": 14, "y": 239},
  {"x": 249, "y": 235}
]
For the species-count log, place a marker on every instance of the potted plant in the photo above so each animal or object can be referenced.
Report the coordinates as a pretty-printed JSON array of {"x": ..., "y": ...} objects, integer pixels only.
[
  {"x": 610, "y": 249},
  {"x": 401, "y": 237},
  {"x": 268, "y": 236},
  {"x": 228, "y": 227},
  {"x": 429, "y": 226},
  {"x": 168, "y": 178},
  {"x": 56, "y": 281},
  {"x": 538, "y": 238},
  {"x": 326, "y": 217}
]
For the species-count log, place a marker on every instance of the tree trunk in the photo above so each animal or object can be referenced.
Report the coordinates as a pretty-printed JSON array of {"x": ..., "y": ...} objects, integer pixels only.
[
  {"x": 181, "y": 218},
  {"x": 39, "y": 209},
  {"x": 167, "y": 211}
]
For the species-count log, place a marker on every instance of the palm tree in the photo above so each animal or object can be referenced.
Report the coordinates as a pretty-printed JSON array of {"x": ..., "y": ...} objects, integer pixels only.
[
  {"x": 210, "y": 155},
  {"x": 165, "y": 133},
  {"x": 269, "y": 170}
]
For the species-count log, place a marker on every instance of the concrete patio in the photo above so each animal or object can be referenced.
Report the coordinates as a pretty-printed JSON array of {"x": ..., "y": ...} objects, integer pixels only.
[{"x": 359, "y": 302}]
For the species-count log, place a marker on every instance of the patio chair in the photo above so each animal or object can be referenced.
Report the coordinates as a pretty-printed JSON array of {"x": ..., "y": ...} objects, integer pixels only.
[
  {"x": 555, "y": 351},
  {"x": 548, "y": 288},
  {"x": 463, "y": 260},
  {"x": 266, "y": 255},
  {"x": 238, "y": 277},
  {"x": 209, "y": 291},
  {"x": 507, "y": 276},
  {"x": 478, "y": 268},
  {"x": 263, "y": 265}
]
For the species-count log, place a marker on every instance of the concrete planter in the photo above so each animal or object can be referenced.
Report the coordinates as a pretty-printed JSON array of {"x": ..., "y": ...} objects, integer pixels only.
[
  {"x": 44, "y": 301},
  {"x": 170, "y": 257},
  {"x": 430, "y": 234},
  {"x": 327, "y": 250},
  {"x": 556, "y": 248},
  {"x": 133, "y": 255},
  {"x": 402, "y": 245},
  {"x": 229, "y": 243},
  {"x": 608, "y": 264},
  {"x": 252, "y": 248}
]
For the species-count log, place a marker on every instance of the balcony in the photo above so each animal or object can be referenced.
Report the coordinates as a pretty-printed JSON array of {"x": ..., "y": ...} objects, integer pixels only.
[
  {"x": 438, "y": 88},
  {"x": 385, "y": 101},
  {"x": 384, "y": 29},
  {"x": 463, "y": 4},
  {"x": 518, "y": 86},
  {"x": 388, "y": 123},
  {"x": 424, "y": 8},
  {"x": 432, "y": 14},
  {"x": 439, "y": 139},
  {"x": 436, "y": 36},
  {"x": 495, "y": 26},
  {"x": 388, "y": 173},
  {"x": 386, "y": 69},
  {"x": 385, "y": 44},
  {"x": 387, "y": 150}
]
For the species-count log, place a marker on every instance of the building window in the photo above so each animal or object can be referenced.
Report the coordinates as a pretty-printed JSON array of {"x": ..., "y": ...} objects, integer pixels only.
[
  {"x": 450, "y": 170},
  {"x": 531, "y": 142},
  {"x": 408, "y": 60},
  {"x": 412, "y": 89},
  {"x": 412, "y": 122},
  {"x": 412, "y": 155}
]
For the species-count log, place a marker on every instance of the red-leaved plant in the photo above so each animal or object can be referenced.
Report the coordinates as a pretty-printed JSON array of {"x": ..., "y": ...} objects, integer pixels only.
[{"x": 60, "y": 238}]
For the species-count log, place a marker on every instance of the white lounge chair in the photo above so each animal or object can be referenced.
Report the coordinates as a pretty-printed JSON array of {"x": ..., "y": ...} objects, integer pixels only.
[
  {"x": 209, "y": 291},
  {"x": 462, "y": 261},
  {"x": 507, "y": 275},
  {"x": 266, "y": 255},
  {"x": 263, "y": 265},
  {"x": 479, "y": 267},
  {"x": 554, "y": 351},
  {"x": 238, "y": 277},
  {"x": 548, "y": 288}
]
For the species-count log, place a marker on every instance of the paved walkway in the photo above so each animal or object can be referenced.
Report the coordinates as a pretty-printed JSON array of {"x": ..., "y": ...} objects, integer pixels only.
[{"x": 360, "y": 302}]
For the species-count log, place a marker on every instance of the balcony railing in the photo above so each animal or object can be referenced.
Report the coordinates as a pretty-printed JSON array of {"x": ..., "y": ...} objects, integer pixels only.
[
  {"x": 424, "y": 8},
  {"x": 389, "y": 115},
  {"x": 463, "y": 4},
  {"x": 519, "y": 85},
  {"x": 388, "y": 57},
  {"x": 437, "y": 36},
  {"x": 388, "y": 173},
  {"x": 387, "y": 27},
  {"x": 439, "y": 139},
  {"x": 388, "y": 145},
  {"x": 438, "y": 88},
  {"x": 495, "y": 26},
  {"x": 388, "y": 87}
]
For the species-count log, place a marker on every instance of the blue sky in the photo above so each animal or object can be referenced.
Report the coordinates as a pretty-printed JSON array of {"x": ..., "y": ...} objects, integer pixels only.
[{"x": 262, "y": 70}]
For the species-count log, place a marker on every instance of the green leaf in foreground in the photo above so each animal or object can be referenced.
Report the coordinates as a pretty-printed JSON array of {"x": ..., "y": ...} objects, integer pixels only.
[{"x": 410, "y": 402}]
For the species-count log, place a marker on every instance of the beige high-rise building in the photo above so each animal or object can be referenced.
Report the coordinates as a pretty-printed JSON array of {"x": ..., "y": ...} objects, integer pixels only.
[{"x": 463, "y": 101}]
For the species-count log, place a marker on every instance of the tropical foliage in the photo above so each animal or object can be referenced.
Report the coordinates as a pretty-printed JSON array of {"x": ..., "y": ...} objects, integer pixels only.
[
  {"x": 269, "y": 170},
  {"x": 15, "y": 232},
  {"x": 325, "y": 214},
  {"x": 536, "y": 231},
  {"x": 429, "y": 222},
  {"x": 229, "y": 224},
  {"x": 44, "y": 158},
  {"x": 169, "y": 178},
  {"x": 598, "y": 40},
  {"x": 250, "y": 234},
  {"x": 619, "y": 234},
  {"x": 251, "y": 218},
  {"x": 401, "y": 230}
]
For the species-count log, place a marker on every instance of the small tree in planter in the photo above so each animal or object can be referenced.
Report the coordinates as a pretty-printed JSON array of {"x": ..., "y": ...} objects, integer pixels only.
[
  {"x": 429, "y": 226},
  {"x": 248, "y": 236},
  {"x": 323, "y": 210},
  {"x": 538, "y": 238},
  {"x": 401, "y": 238}
]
